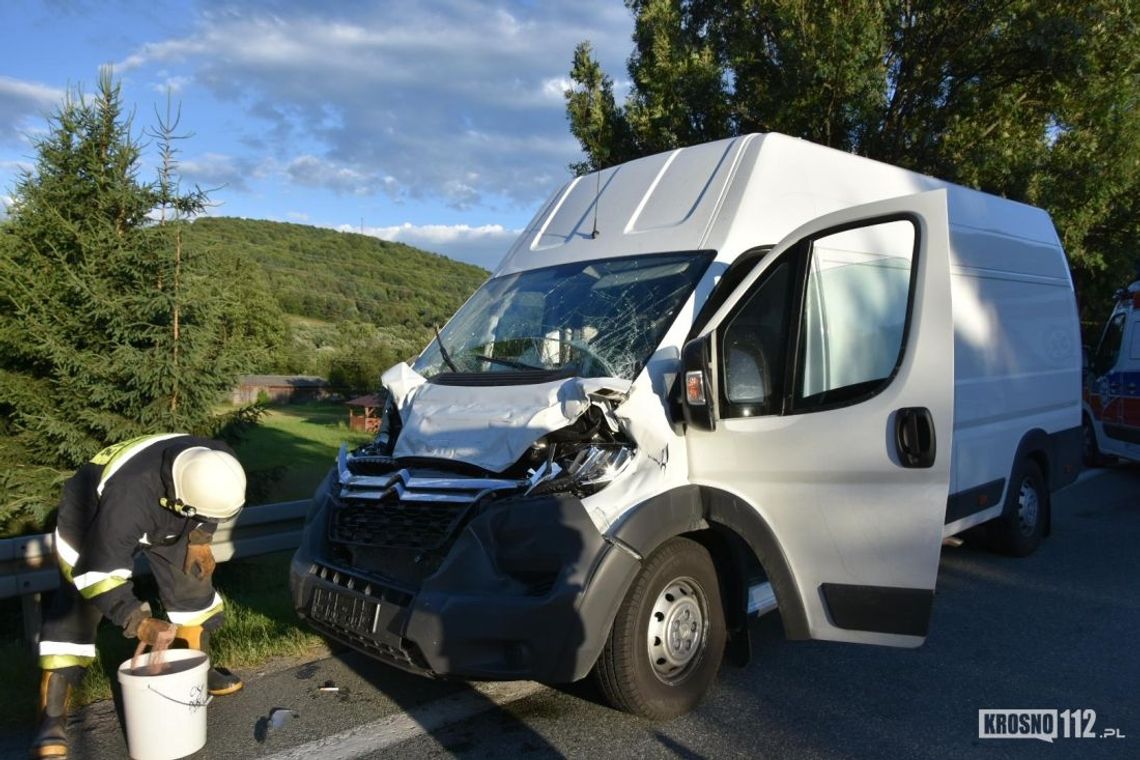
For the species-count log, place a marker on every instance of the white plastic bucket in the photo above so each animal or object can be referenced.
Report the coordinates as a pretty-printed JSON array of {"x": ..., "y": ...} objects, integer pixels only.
[{"x": 166, "y": 713}]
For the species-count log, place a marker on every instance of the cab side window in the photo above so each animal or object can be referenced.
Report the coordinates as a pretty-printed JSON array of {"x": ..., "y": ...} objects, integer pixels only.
[
  {"x": 855, "y": 306},
  {"x": 834, "y": 309}
]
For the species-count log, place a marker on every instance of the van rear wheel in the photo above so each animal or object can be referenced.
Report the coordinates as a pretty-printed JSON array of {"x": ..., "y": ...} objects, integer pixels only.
[
  {"x": 1090, "y": 451},
  {"x": 1021, "y": 527},
  {"x": 667, "y": 641}
]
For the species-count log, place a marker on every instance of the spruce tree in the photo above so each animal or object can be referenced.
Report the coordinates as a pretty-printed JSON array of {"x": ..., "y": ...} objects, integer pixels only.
[{"x": 110, "y": 327}]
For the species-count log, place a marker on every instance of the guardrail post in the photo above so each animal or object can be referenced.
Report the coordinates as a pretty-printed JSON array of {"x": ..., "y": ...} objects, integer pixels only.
[{"x": 30, "y": 611}]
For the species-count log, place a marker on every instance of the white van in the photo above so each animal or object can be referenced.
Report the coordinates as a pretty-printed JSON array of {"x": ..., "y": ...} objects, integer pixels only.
[
  {"x": 750, "y": 375},
  {"x": 1112, "y": 384}
]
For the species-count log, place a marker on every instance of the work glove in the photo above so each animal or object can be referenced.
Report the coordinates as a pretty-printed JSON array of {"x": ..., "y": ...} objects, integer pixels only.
[
  {"x": 159, "y": 634},
  {"x": 199, "y": 556}
]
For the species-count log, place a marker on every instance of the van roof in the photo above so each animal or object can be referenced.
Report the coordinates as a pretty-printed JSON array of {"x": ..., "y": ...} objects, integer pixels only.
[{"x": 732, "y": 195}]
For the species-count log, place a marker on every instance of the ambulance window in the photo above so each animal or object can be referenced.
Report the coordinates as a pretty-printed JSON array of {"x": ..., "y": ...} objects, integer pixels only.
[
  {"x": 855, "y": 307},
  {"x": 1109, "y": 347},
  {"x": 1134, "y": 350}
]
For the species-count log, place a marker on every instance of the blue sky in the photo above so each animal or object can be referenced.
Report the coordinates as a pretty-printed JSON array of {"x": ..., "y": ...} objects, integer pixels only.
[{"x": 440, "y": 124}]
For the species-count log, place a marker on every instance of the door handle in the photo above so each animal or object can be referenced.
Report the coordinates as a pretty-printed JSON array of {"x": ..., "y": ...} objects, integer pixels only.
[{"x": 914, "y": 437}]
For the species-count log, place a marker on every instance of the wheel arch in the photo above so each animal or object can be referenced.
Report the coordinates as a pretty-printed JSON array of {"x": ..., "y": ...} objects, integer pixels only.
[{"x": 735, "y": 534}]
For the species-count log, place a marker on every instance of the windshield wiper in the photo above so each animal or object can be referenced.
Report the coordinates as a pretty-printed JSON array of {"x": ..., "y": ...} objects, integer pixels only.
[
  {"x": 507, "y": 362},
  {"x": 443, "y": 351}
]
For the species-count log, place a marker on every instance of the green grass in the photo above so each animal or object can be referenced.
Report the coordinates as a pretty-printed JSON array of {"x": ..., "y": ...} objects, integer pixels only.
[
  {"x": 290, "y": 451},
  {"x": 260, "y": 625}
]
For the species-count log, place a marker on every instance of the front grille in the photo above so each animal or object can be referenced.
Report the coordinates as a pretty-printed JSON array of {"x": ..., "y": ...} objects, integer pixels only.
[
  {"x": 414, "y": 525},
  {"x": 416, "y": 509}
]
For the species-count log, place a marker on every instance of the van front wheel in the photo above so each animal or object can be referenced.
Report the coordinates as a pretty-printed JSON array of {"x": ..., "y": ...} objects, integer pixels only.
[{"x": 667, "y": 641}]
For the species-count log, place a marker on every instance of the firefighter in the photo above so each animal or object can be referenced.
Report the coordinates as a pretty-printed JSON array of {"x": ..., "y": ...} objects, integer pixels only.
[{"x": 162, "y": 495}]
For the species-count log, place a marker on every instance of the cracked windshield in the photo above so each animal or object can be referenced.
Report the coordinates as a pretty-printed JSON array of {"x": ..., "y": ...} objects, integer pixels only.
[{"x": 592, "y": 318}]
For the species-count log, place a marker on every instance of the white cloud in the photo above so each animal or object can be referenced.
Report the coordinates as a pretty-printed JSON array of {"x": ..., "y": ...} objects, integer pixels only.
[
  {"x": 172, "y": 85},
  {"x": 482, "y": 245},
  {"x": 451, "y": 99},
  {"x": 21, "y": 102},
  {"x": 315, "y": 172},
  {"x": 15, "y": 167},
  {"x": 555, "y": 89},
  {"x": 218, "y": 170}
]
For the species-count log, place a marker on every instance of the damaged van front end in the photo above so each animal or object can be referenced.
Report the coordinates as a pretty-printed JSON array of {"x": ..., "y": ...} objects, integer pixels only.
[{"x": 470, "y": 538}]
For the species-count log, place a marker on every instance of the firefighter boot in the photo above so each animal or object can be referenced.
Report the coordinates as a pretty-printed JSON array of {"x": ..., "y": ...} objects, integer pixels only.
[
  {"x": 219, "y": 681},
  {"x": 55, "y": 696}
]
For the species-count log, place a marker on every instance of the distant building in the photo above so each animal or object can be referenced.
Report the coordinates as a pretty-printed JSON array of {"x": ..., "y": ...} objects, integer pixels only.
[
  {"x": 281, "y": 389},
  {"x": 364, "y": 412}
]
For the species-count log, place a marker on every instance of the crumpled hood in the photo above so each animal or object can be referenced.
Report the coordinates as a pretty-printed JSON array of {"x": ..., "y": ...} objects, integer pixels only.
[{"x": 492, "y": 426}]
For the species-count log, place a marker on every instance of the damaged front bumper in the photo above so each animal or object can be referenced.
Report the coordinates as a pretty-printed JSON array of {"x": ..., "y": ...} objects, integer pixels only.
[{"x": 528, "y": 589}]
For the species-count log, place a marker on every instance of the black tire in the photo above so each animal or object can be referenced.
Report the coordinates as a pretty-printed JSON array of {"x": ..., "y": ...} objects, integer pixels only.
[
  {"x": 1021, "y": 527},
  {"x": 1090, "y": 451},
  {"x": 637, "y": 676}
]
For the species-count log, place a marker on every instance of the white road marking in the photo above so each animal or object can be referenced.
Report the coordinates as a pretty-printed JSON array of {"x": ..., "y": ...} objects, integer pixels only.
[{"x": 403, "y": 726}]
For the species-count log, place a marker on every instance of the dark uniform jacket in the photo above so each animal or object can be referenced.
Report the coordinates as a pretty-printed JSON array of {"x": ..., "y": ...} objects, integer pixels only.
[{"x": 113, "y": 508}]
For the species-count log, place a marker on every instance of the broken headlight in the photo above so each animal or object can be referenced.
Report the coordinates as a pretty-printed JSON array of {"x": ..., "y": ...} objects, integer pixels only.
[
  {"x": 598, "y": 465},
  {"x": 587, "y": 469}
]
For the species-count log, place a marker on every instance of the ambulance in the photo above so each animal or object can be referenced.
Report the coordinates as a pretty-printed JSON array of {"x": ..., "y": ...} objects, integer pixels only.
[
  {"x": 1111, "y": 413},
  {"x": 748, "y": 376}
]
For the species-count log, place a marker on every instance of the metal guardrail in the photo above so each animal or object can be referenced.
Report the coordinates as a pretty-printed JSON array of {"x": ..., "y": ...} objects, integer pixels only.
[{"x": 27, "y": 564}]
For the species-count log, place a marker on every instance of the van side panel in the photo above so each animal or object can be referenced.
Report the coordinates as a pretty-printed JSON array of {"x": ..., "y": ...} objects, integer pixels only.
[{"x": 1017, "y": 358}]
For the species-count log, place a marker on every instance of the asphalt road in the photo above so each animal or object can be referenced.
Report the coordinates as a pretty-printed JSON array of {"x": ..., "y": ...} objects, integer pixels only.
[{"x": 1060, "y": 629}]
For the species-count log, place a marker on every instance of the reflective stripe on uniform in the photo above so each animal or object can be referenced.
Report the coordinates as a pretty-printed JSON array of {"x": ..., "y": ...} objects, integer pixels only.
[
  {"x": 66, "y": 554},
  {"x": 66, "y": 647},
  {"x": 114, "y": 457},
  {"x": 60, "y": 661},
  {"x": 197, "y": 617},
  {"x": 66, "y": 551},
  {"x": 91, "y": 584}
]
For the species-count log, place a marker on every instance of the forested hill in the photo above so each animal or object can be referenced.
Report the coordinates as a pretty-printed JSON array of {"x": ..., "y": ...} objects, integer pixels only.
[{"x": 337, "y": 276}]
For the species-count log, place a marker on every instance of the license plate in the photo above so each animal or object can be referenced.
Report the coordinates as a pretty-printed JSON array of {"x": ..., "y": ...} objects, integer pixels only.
[{"x": 344, "y": 611}]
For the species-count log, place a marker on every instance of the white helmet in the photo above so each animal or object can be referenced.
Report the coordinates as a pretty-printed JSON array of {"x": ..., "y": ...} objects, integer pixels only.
[{"x": 210, "y": 481}]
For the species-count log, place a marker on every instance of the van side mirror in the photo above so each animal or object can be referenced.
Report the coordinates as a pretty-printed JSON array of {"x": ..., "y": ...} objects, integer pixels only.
[{"x": 698, "y": 389}]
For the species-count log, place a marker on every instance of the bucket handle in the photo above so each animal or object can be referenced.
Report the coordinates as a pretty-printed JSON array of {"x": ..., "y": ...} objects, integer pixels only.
[{"x": 191, "y": 705}]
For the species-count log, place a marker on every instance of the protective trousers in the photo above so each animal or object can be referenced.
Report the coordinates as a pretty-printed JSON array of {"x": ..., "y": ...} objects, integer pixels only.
[{"x": 67, "y": 636}]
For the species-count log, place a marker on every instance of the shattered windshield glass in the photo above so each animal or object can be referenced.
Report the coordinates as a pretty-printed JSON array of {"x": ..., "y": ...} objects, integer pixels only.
[{"x": 593, "y": 318}]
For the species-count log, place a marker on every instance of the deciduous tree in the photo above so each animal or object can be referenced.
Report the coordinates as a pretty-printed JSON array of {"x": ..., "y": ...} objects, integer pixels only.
[{"x": 1034, "y": 100}]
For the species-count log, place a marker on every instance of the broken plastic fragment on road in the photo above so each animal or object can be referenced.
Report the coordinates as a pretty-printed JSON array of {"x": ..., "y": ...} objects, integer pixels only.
[{"x": 279, "y": 717}]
